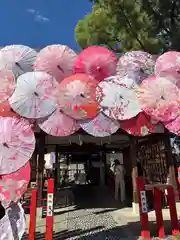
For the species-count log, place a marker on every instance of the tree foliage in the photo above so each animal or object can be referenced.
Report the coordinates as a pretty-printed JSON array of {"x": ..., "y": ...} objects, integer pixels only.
[{"x": 147, "y": 25}]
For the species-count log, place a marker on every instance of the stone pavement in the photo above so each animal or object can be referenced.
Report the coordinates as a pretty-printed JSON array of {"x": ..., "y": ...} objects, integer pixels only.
[{"x": 95, "y": 216}]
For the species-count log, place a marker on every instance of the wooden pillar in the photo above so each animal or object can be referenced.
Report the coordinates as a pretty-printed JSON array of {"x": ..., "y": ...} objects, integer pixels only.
[
  {"x": 57, "y": 167},
  {"x": 40, "y": 165},
  {"x": 134, "y": 173}
]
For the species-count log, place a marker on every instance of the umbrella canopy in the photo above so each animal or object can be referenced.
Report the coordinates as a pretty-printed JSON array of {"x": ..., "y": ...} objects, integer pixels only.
[
  {"x": 7, "y": 84},
  {"x": 137, "y": 59},
  {"x": 57, "y": 60},
  {"x": 35, "y": 95},
  {"x": 7, "y": 111},
  {"x": 96, "y": 61},
  {"x": 18, "y": 58},
  {"x": 77, "y": 97},
  {"x": 59, "y": 124},
  {"x": 167, "y": 61},
  {"x": 117, "y": 101},
  {"x": 14, "y": 185},
  {"x": 172, "y": 74},
  {"x": 17, "y": 144},
  {"x": 159, "y": 98},
  {"x": 174, "y": 126},
  {"x": 13, "y": 224},
  {"x": 100, "y": 126},
  {"x": 141, "y": 125}
]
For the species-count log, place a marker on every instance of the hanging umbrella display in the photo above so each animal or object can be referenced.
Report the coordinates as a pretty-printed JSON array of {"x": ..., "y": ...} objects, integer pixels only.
[
  {"x": 17, "y": 144},
  {"x": 96, "y": 61},
  {"x": 35, "y": 95},
  {"x": 14, "y": 185},
  {"x": 141, "y": 125},
  {"x": 137, "y": 59},
  {"x": 174, "y": 126},
  {"x": 159, "y": 98},
  {"x": 6, "y": 110},
  {"x": 59, "y": 124},
  {"x": 7, "y": 84},
  {"x": 172, "y": 74},
  {"x": 18, "y": 58},
  {"x": 117, "y": 102},
  {"x": 13, "y": 224},
  {"x": 100, "y": 126},
  {"x": 57, "y": 60},
  {"x": 77, "y": 96},
  {"x": 167, "y": 61}
]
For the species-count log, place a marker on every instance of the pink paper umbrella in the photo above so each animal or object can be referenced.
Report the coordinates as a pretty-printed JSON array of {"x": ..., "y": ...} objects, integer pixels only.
[
  {"x": 137, "y": 59},
  {"x": 172, "y": 74},
  {"x": 35, "y": 95},
  {"x": 100, "y": 126},
  {"x": 57, "y": 60},
  {"x": 13, "y": 224},
  {"x": 141, "y": 125},
  {"x": 159, "y": 98},
  {"x": 117, "y": 102},
  {"x": 17, "y": 144},
  {"x": 59, "y": 124},
  {"x": 96, "y": 61},
  {"x": 167, "y": 61},
  {"x": 77, "y": 96},
  {"x": 174, "y": 126},
  {"x": 7, "y": 85},
  {"x": 14, "y": 185},
  {"x": 18, "y": 58}
]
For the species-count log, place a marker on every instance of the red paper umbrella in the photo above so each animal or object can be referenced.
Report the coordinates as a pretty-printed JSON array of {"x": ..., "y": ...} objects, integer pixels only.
[
  {"x": 77, "y": 97},
  {"x": 172, "y": 74},
  {"x": 59, "y": 124},
  {"x": 96, "y": 61},
  {"x": 57, "y": 60},
  {"x": 174, "y": 126},
  {"x": 159, "y": 98},
  {"x": 141, "y": 125},
  {"x": 7, "y": 111},
  {"x": 14, "y": 185},
  {"x": 167, "y": 61}
]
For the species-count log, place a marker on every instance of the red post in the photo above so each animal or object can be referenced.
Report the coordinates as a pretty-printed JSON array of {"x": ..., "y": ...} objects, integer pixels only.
[
  {"x": 32, "y": 220},
  {"x": 145, "y": 233},
  {"x": 49, "y": 216},
  {"x": 158, "y": 212},
  {"x": 172, "y": 209}
]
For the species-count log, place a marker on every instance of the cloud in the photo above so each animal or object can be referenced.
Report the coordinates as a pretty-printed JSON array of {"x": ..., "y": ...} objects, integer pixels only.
[{"x": 38, "y": 17}]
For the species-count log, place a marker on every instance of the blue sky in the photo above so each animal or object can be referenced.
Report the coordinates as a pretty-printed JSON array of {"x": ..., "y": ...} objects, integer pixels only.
[{"x": 38, "y": 23}]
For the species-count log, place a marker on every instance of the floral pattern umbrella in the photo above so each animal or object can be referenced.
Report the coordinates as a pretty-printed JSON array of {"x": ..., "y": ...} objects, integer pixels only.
[
  {"x": 7, "y": 85},
  {"x": 14, "y": 185},
  {"x": 57, "y": 60},
  {"x": 18, "y": 58},
  {"x": 141, "y": 125},
  {"x": 7, "y": 111},
  {"x": 13, "y": 224},
  {"x": 17, "y": 144},
  {"x": 100, "y": 126},
  {"x": 96, "y": 61},
  {"x": 174, "y": 126},
  {"x": 172, "y": 74},
  {"x": 117, "y": 102},
  {"x": 159, "y": 98},
  {"x": 77, "y": 96},
  {"x": 167, "y": 61},
  {"x": 35, "y": 96},
  {"x": 137, "y": 59},
  {"x": 59, "y": 124}
]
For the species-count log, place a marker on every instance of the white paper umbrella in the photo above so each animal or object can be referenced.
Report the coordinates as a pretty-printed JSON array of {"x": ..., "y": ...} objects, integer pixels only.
[
  {"x": 100, "y": 126},
  {"x": 13, "y": 225},
  {"x": 18, "y": 58},
  {"x": 57, "y": 60},
  {"x": 59, "y": 124},
  {"x": 35, "y": 95},
  {"x": 117, "y": 102},
  {"x": 17, "y": 144}
]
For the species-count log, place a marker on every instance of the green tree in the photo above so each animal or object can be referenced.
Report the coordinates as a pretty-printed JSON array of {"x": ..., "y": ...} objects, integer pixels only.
[{"x": 118, "y": 21}]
